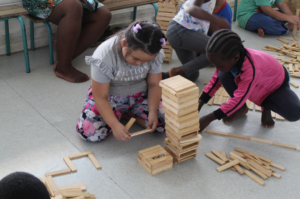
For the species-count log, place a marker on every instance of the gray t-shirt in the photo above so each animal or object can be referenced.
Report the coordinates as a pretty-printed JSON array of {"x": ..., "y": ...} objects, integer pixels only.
[{"x": 109, "y": 66}]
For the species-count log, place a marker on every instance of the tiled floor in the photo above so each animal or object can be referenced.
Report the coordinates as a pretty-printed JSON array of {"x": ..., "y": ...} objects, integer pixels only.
[{"x": 39, "y": 113}]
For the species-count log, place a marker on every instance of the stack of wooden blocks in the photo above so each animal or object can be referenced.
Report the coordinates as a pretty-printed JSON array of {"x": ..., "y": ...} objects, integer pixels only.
[
  {"x": 155, "y": 160},
  {"x": 167, "y": 10},
  {"x": 180, "y": 103}
]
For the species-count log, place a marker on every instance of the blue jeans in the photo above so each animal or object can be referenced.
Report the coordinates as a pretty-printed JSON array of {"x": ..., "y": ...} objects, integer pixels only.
[{"x": 269, "y": 25}]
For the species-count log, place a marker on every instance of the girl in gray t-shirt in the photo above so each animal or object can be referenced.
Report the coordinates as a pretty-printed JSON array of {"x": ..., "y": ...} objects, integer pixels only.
[{"x": 125, "y": 71}]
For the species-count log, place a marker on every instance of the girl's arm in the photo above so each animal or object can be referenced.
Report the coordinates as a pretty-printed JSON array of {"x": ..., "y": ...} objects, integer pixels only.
[
  {"x": 197, "y": 12},
  {"x": 100, "y": 94},
  {"x": 287, "y": 14},
  {"x": 154, "y": 96}
]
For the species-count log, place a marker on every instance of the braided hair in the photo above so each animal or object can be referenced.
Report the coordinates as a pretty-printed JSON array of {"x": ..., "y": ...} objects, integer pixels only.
[
  {"x": 146, "y": 39},
  {"x": 227, "y": 44}
]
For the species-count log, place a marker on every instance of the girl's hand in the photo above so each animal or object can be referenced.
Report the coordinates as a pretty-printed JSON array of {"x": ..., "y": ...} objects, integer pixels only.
[
  {"x": 206, "y": 120},
  {"x": 120, "y": 132},
  {"x": 223, "y": 24},
  {"x": 152, "y": 121},
  {"x": 201, "y": 103},
  {"x": 294, "y": 20}
]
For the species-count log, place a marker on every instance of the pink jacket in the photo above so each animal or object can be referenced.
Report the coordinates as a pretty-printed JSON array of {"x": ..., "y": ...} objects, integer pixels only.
[{"x": 254, "y": 81}]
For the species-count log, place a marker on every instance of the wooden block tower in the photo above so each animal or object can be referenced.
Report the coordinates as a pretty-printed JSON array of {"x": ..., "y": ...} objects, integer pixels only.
[
  {"x": 155, "y": 160},
  {"x": 180, "y": 103},
  {"x": 167, "y": 9}
]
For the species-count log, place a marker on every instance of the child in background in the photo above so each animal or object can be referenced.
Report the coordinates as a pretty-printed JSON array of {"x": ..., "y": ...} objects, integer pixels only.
[
  {"x": 187, "y": 34},
  {"x": 258, "y": 15},
  {"x": 223, "y": 10},
  {"x": 21, "y": 185},
  {"x": 247, "y": 74},
  {"x": 125, "y": 71}
]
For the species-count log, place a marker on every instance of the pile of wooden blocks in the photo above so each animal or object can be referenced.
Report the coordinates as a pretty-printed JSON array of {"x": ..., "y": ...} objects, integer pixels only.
[
  {"x": 74, "y": 191},
  {"x": 221, "y": 96},
  {"x": 155, "y": 160},
  {"x": 180, "y": 103},
  {"x": 167, "y": 10},
  {"x": 258, "y": 164}
]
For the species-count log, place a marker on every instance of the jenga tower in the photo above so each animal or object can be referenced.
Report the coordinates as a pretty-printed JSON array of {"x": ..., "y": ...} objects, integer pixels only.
[
  {"x": 167, "y": 9},
  {"x": 180, "y": 103}
]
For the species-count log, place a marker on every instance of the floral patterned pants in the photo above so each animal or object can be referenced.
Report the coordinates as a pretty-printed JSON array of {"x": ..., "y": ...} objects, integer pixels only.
[{"x": 92, "y": 127}]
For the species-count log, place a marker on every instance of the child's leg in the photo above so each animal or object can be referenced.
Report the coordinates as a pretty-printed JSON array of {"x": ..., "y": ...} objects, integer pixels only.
[
  {"x": 265, "y": 24},
  {"x": 140, "y": 109},
  {"x": 185, "y": 43},
  {"x": 284, "y": 102},
  {"x": 227, "y": 80},
  {"x": 91, "y": 126}
]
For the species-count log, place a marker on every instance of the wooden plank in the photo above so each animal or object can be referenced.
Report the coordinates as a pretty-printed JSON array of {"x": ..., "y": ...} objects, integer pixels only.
[
  {"x": 79, "y": 155},
  {"x": 73, "y": 186},
  {"x": 141, "y": 132},
  {"x": 50, "y": 185},
  {"x": 227, "y": 166},
  {"x": 130, "y": 123},
  {"x": 60, "y": 172},
  {"x": 260, "y": 168},
  {"x": 277, "y": 166},
  {"x": 286, "y": 38},
  {"x": 293, "y": 84},
  {"x": 219, "y": 155},
  {"x": 276, "y": 175},
  {"x": 94, "y": 161},
  {"x": 214, "y": 158},
  {"x": 255, "y": 178},
  {"x": 70, "y": 164},
  {"x": 283, "y": 41}
]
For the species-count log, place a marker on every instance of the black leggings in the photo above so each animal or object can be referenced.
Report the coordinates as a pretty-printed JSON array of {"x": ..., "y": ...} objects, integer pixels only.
[{"x": 282, "y": 101}]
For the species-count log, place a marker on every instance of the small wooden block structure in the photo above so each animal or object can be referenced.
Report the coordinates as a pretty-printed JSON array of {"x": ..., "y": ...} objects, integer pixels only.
[
  {"x": 155, "y": 160},
  {"x": 180, "y": 103},
  {"x": 166, "y": 11}
]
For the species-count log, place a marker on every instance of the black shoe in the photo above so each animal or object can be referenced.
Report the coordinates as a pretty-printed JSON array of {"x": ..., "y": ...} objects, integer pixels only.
[{"x": 165, "y": 75}]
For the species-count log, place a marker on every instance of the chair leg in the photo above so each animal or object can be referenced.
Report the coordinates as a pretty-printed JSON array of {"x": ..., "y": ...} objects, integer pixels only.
[
  {"x": 31, "y": 35},
  {"x": 50, "y": 42},
  {"x": 24, "y": 43},
  {"x": 156, "y": 10},
  {"x": 235, "y": 8},
  {"x": 7, "y": 38},
  {"x": 134, "y": 13}
]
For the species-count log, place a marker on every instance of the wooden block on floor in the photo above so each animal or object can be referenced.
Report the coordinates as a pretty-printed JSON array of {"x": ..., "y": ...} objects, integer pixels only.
[
  {"x": 170, "y": 133},
  {"x": 181, "y": 157},
  {"x": 60, "y": 172},
  {"x": 155, "y": 159},
  {"x": 79, "y": 155},
  {"x": 94, "y": 161},
  {"x": 51, "y": 187},
  {"x": 183, "y": 149},
  {"x": 70, "y": 164},
  {"x": 73, "y": 186}
]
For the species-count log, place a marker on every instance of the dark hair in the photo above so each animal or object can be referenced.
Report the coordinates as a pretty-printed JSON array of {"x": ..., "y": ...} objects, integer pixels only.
[
  {"x": 22, "y": 185},
  {"x": 146, "y": 39},
  {"x": 226, "y": 43}
]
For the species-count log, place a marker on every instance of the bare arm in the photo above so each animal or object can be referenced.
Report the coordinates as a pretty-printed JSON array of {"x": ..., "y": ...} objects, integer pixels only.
[
  {"x": 197, "y": 12},
  {"x": 154, "y": 96},
  {"x": 100, "y": 94},
  {"x": 283, "y": 7}
]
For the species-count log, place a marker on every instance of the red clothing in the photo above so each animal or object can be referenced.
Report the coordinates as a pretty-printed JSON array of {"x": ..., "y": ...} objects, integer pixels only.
[{"x": 254, "y": 82}]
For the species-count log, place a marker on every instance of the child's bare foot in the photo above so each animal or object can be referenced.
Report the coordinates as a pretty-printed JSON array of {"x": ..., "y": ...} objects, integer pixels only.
[
  {"x": 176, "y": 71},
  {"x": 70, "y": 74},
  {"x": 261, "y": 32},
  {"x": 266, "y": 119},
  {"x": 242, "y": 111},
  {"x": 289, "y": 26}
]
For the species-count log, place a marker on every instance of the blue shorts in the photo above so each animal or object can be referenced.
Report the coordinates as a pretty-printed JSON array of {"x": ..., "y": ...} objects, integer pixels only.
[{"x": 268, "y": 24}]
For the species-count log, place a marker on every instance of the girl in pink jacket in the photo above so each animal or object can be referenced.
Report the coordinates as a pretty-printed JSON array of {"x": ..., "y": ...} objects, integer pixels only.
[{"x": 247, "y": 74}]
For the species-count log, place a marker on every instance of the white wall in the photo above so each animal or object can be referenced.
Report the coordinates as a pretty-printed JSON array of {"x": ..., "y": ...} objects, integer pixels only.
[{"x": 120, "y": 18}]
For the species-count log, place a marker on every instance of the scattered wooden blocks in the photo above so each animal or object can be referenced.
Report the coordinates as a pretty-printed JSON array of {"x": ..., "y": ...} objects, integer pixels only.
[
  {"x": 60, "y": 172},
  {"x": 155, "y": 160},
  {"x": 180, "y": 102},
  {"x": 80, "y": 155}
]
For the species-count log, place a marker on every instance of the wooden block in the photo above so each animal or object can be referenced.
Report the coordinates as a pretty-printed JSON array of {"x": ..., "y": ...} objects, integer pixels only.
[
  {"x": 61, "y": 197},
  {"x": 178, "y": 152},
  {"x": 277, "y": 166},
  {"x": 260, "y": 168},
  {"x": 252, "y": 158},
  {"x": 60, "y": 172},
  {"x": 216, "y": 132},
  {"x": 214, "y": 158},
  {"x": 178, "y": 136},
  {"x": 240, "y": 162},
  {"x": 73, "y": 186},
  {"x": 183, "y": 118},
  {"x": 286, "y": 38},
  {"x": 253, "y": 154},
  {"x": 50, "y": 185},
  {"x": 216, "y": 100},
  {"x": 180, "y": 105},
  {"x": 239, "y": 136},
  {"x": 276, "y": 175},
  {"x": 219, "y": 155},
  {"x": 210, "y": 102},
  {"x": 227, "y": 166},
  {"x": 255, "y": 178},
  {"x": 224, "y": 154},
  {"x": 43, "y": 179},
  {"x": 141, "y": 132},
  {"x": 257, "y": 108},
  {"x": 262, "y": 140},
  {"x": 238, "y": 157},
  {"x": 284, "y": 145},
  {"x": 182, "y": 125},
  {"x": 70, "y": 164},
  {"x": 79, "y": 155},
  {"x": 258, "y": 172},
  {"x": 94, "y": 161},
  {"x": 238, "y": 169},
  {"x": 283, "y": 41},
  {"x": 293, "y": 84},
  {"x": 130, "y": 123},
  {"x": 180, "y": 132},
  {"x": 183, "y": 99}
]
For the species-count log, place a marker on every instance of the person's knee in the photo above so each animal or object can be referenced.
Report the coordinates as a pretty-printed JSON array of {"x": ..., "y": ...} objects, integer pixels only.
[
  {"x": 104, "y": 15},
  {"x": 293, "y": 113},
  {"x": 74, "y": 9}
]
